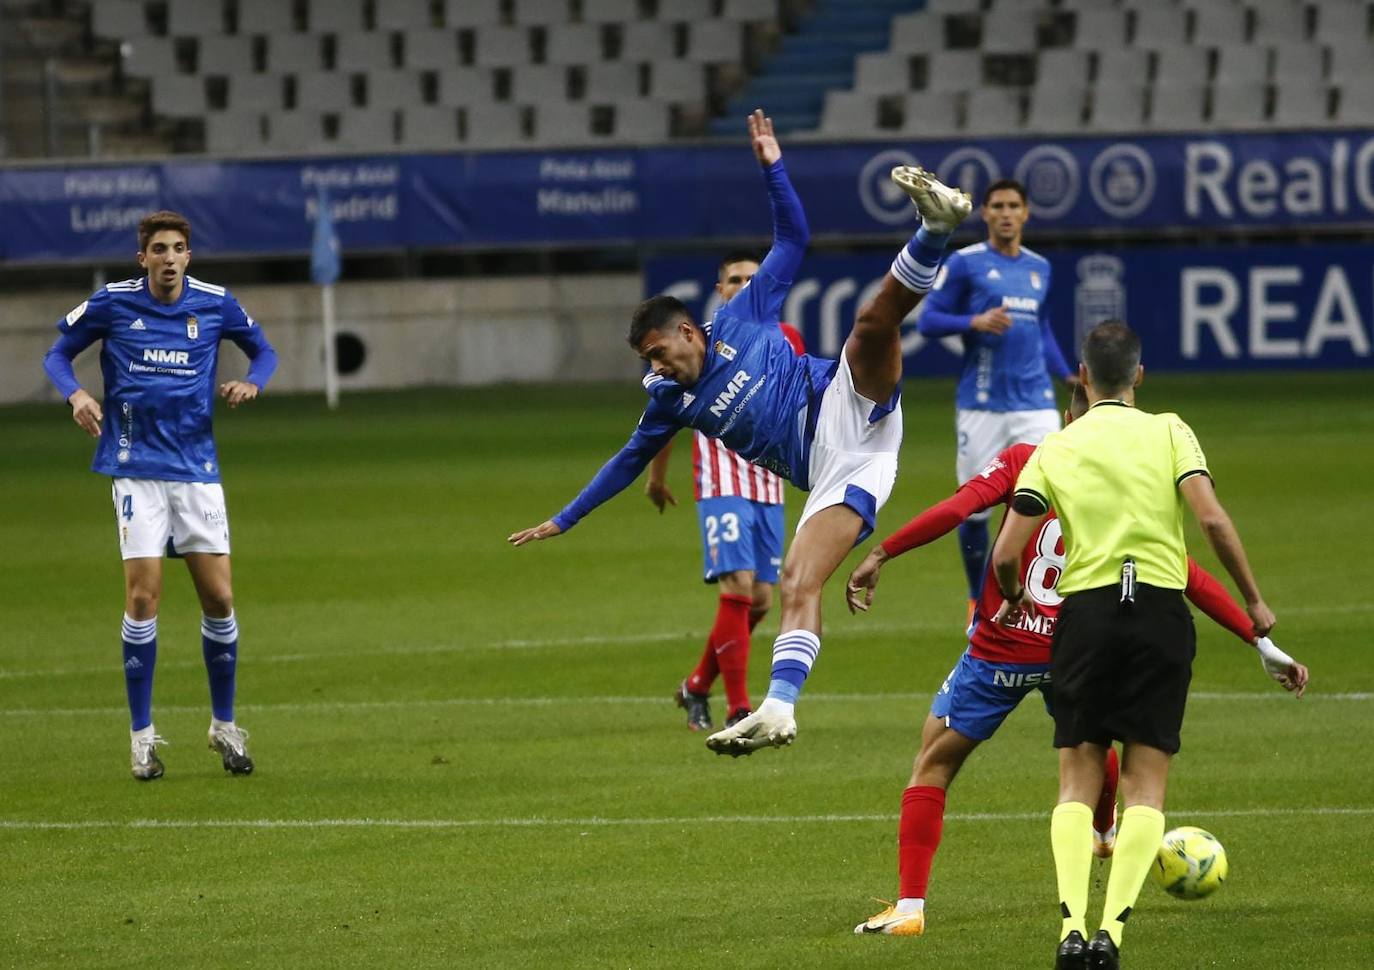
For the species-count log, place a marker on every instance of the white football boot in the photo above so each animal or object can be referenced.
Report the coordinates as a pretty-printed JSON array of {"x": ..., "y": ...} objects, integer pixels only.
[
  {"x": 143, "y": 759},
  {"x": 231, "y": 743},
  {"x": 771, "y": 726},
  {"x": 942, "y": 208}
]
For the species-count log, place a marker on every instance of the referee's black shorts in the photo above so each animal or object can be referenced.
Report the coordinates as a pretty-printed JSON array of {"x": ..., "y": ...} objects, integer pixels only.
[{"x": 1122, "y": 673}]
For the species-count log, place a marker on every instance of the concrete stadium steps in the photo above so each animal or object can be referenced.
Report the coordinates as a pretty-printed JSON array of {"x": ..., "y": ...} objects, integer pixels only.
[{"x": 792, "y": 83}]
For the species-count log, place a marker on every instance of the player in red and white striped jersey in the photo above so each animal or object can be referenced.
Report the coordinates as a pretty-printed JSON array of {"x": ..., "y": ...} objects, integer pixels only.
[{"x": 739, "y": 507}]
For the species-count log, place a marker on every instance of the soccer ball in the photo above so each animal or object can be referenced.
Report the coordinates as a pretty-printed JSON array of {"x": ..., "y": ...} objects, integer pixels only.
[{"x": 1191, "y": 863}]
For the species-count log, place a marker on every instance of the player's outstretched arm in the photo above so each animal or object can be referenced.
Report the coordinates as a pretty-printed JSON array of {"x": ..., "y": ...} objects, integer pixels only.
[
  {"x": 1206, "y": 593},
  {"x": 1281, "y": 668},
  {"x": 545, "y": 530},
  {"x": 656, "y": 487},
  {"x": 762, "y": 140}
]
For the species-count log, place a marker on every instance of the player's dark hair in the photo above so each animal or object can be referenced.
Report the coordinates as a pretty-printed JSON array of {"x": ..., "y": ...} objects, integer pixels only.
[
  {"x": 1112, "y": 353},
  {"x": 737, "y": 256},
  {"x": 654, "y": 314},
  {"x": 155, "y": 222},
  {"x": 1001, "y": 184}
]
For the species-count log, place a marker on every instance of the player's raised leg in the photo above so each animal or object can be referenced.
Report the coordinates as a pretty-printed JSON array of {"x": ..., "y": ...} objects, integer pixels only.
[
  {"x": 873, "y": 349},
  {"x": 142, "y": 591},
  {"x": 220, "y": 647},
  {"x": 1104, "y": 815}
]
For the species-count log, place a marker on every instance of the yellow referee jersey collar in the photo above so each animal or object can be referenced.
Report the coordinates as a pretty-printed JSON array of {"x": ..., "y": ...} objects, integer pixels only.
[{"x": 1111, "y": 400}]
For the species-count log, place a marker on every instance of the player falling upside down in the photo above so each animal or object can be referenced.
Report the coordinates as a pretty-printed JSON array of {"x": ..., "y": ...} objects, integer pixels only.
[
  {"x": 160, "y": 337},
  {"x": 832, "y": 428},
  {"x": 1001, "y": 666},
  {"x": 740, "y": 508}
]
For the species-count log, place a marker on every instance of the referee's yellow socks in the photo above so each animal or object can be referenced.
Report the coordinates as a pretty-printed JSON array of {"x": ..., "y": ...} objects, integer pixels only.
[
  {"x": 1071, "y": 835},
  {"x": 1137, "y": 843}
]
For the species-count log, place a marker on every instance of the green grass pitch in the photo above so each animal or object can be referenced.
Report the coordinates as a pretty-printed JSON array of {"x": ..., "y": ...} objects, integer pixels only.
[{"x": 467, "y": 755}]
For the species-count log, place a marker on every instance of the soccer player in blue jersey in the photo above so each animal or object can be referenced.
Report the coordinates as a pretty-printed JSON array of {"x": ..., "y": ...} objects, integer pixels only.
[
  {"x": 160, "y": 338},
  {"x": 832, "y": 428},
  {"x": 995, "y": 295}
]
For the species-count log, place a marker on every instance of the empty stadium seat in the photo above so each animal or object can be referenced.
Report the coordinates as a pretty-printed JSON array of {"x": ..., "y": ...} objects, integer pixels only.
[
  {"x": 540, "y": 13},
  {"x": 430, "y": 49},
  {"x": 849, "y": 114},
  {"x": 265, "y": 17},
  {"x": 296, "y": 131},
  {"x": 1056, "y": 108},
  {"x": 641, "y": 120},
  {"x": 293, "y": 52},
  {"x": 1339, "y": 21},
  {"x": 1354, "y": 106},
  {"x": 1100, "y": 28},
  {"x": 953, "y": 70},
  {"x": 1297, "y": 62},
  {"x": 917, "y": 32},
  {"x": 1301, "y": 103},
  {"x": 609, "y": 11},
  {"x": 487, "y": 124},
  {"x": 929, "y": 115},
  {"x": 714, "y": 42},
  {"x": 616, "y": 80},
  {"x": 428, "y": 126},
  {"x": 323, "y": 91},
  {"x": 687, "y": 11},
  {"x": 149, "y": 57},
  {"x": 229, "y": 132},
  {"x": 194, "y": 18},
  {"x": 464, "y": 86},
  {"x": 254, "y": 93},
  {"x": 1279, "y": 22},
  {"x": 119, "y": 19},
  {"x": 882, "y": 72},
  {"x": 1352, "y": 64},
  {"x": 574, "y": 44},
  {"x": 1237, "y": 63},
  {"x": 1159, "y": 25},
  {"x": 472, "y": 13},
  {"x": 394, "y": 89},
  {"x": 1182, "y": 65},
  {"x": 1124, "y": 65},
  {"x": 366, "y": 129},
  {"x": 992, "y": 111},
  {"x": 674, "y": 80},
  {"x": 1218, "y": 22},
  {"x": 1009, "y": 31},
  {"x": 498, "y": 46},
  {"x": 750, "y": 10},
  {"x": 1177, "y": 106},
  {"x": 1062, "y": 66},
  {"x": 337, "y": 17},
  {"x": 183, "y": 100},
  {"x": 1117, "y": 104},
  {"x": 224, "y": 54},
  {"x": 539, "y": 83},
  {"x": 403, "y": 14},
  {"x": 1239, "y": 104},
  {"x": 363, "y": 52},
  {"x": 648, "y": 40}
]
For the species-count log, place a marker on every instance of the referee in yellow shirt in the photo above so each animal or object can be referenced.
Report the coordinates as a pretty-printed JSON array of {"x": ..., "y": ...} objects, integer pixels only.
[{"x": 1123, "y": 647}]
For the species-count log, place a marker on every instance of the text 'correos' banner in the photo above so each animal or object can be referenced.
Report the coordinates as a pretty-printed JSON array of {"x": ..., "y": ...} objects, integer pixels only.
[
  {"x": 1195, "y": 309},
  {"x": 683, "y": 194}
]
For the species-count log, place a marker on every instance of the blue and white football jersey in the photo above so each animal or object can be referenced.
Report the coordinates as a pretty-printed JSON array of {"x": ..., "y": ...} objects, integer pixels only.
[
  {"x": 1001, "y": 372},
  {"x": 159, "y": 362},
  {"x": 754, "y": 392}
]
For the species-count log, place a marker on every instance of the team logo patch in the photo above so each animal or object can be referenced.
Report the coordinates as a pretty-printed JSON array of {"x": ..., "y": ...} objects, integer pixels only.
[
  {"x": 138, "y": 325},
  {"x": 192, "y": 328},
  {"x": 725, "y": 350},
  {"x": 1035, "y": 279},
  {"x": 76, "y": 314},
  {"x": 993, "y": 274}
]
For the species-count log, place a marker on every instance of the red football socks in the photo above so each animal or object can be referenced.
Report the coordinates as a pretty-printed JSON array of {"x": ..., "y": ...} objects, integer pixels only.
[
  {"x": 730, "y": 641},
  {"x": 918, "y": 836}
]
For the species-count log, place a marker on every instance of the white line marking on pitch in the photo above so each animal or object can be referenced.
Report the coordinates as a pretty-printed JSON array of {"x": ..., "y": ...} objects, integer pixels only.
[
  {"x": 581, "y": 699},
  {"x": 597, "y": 821}
]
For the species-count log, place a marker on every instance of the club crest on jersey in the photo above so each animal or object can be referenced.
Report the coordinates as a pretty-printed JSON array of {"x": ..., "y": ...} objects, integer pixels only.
[
  {"x": 1035, "y": 279},
  {"x": 76, "y": 314},
  {"x": 192, "y": 328},
  {"x": 725, "y": 350}
]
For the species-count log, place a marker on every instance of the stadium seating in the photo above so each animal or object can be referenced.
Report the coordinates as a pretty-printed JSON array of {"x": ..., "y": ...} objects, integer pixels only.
[{"x": 654, "y": 69}]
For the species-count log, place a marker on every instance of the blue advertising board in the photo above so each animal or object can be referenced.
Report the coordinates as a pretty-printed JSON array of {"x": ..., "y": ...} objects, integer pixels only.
[
  {"x": 688, "y": 193},
  {"x": 1195, "y": 309}
]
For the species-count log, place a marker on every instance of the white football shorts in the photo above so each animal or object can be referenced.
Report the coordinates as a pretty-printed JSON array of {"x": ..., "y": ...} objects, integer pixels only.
[
  {"x": 983, "y": 435},
  {"x": 853, "y": 458},
  {"x": 157, "y": 518}
]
